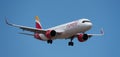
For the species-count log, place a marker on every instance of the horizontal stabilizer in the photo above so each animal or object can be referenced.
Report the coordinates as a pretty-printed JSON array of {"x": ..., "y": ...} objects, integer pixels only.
[{"x": 27, "y": 34}]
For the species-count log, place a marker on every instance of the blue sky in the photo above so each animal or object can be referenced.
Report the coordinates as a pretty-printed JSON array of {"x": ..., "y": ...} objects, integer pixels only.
[{"x": 102, "y": 13}]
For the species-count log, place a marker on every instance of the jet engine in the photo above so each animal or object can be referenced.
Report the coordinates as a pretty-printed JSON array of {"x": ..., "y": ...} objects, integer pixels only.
[
  {"x": 82, "y": 37},
  {"x": 50, "y": 33}
]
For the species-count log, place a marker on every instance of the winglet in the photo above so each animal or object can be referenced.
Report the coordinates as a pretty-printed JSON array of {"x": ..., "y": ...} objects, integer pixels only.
[
  {"x": 102, "y": 31},
  {"x": 38, "y": 25},
  {"x": 8, "y": 22}
]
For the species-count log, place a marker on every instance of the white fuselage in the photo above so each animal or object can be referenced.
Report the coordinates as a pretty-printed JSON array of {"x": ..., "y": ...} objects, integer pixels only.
[{"x": 70, "y": 29}]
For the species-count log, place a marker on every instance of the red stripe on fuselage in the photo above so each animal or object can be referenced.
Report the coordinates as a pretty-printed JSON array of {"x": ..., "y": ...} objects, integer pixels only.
[{"x": 37, "y": 36}]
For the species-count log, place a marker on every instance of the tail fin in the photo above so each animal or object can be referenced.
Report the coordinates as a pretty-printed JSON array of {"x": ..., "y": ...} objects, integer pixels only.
[{"x": 38, "y": 25}]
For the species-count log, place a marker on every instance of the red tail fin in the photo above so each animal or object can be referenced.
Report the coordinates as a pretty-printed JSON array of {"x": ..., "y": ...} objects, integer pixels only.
[{"x": 38, "y": 25}]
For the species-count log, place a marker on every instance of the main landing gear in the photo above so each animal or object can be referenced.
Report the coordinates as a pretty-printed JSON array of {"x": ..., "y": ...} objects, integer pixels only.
[
  {"x": 71, "y": 43},
  {"x": 49, "y": 41}
]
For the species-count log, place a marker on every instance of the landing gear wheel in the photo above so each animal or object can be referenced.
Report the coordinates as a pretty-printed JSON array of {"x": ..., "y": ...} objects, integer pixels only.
[
  {"x": 49, "y": 41},
  {"x": 70, "y": 44}
]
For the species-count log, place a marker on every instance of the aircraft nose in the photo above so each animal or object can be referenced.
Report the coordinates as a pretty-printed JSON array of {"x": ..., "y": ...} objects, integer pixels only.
[{"x": 89, "y": 25}]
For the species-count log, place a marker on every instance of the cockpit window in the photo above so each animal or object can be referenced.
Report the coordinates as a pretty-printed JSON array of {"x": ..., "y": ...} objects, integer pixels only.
[{"x": 85, "y": 21}]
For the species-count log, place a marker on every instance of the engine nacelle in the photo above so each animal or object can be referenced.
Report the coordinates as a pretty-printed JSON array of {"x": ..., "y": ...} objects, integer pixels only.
[
  {"x": 82, "y": 37},
  {"x": 50, "y": 33}
]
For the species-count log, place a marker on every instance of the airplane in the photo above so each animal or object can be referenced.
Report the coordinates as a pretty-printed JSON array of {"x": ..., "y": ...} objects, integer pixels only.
[{"x": 70, "y": 30}]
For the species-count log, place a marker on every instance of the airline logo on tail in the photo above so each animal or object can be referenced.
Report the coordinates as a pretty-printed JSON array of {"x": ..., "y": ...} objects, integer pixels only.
[{"x": 38, "y": 25}]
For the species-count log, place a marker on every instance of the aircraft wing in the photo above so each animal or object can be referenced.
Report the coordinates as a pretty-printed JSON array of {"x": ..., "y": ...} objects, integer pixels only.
[
  {"x": 90, "y": 35},
  {"x": 101, "y": 33},
  {"x": 27, "y": 28},
  {"x": 35, "y": 30}
]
